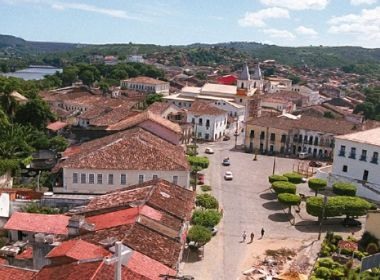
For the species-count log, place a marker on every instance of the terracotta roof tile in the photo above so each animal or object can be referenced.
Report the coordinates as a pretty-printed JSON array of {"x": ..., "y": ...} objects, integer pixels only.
[
  {"x": 135, "y": 149},
  {"x": 78, "y": 250},
  {"x": 15, "y": 273},
  {"x": 145, "y": 80},
  {"x": 159, "y": 107},
  {"x": 43, "y": 223},
  {"x": 55, "y": 126},
  {"x": 205, "y": 108},
  {"x": 26, "y": 254},
  {"x": 114, "y": 218}
]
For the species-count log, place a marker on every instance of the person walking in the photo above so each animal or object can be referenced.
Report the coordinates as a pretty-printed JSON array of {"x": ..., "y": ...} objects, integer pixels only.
[
  {"x": 244, "y": 235},
  {"x": 252, "y": 236},
  {"x": 262, "y": 232}
]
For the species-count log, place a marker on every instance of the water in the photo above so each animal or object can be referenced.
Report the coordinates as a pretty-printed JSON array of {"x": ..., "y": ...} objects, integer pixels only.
[{"x": 34, "y": 72}]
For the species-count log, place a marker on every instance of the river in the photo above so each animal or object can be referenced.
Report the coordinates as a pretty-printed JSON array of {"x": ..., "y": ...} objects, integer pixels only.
[{"x": 33, "y": 72}]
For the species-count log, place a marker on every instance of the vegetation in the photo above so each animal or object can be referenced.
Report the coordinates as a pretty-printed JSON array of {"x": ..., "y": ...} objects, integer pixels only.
[
  {"x": 275, "y": 178},
  {"x": 289, "y": 199},
  {"x": 199, "y": 234},
  {"x": 207, "y": 201},
  {"x": 36, "y": 208},
  {"x": 371, "y": 107},
  {"x": 206, "y": 188},
  {"x": 317, "y": 185},
  {"x": 284, "y": 187},
  {"x": 367, "y": 239},
  {"x": 207, "y": 218},
  {"x": 202, "y": 162},
  {"x": 294, "y": 178},
  {"x": 346, "y": 189}
]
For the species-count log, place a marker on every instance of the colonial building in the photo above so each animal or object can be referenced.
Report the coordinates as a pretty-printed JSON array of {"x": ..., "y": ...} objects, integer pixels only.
[
  {"x": 146, "y": 84},
  {"x": 119, "y": 160},
  {"x": 356, "y": 157}
]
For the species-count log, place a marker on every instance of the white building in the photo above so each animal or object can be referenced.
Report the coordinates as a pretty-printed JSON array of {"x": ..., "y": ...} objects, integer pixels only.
[
  {"x": 356, "y": 157},
  {"x": 136, "y": 58},
  {"x": 313, "y": 96},
  {"x": 146, "y": 84},
  {"x": 277, "y": 84},
  {"x": 209, "y": 122},
  {"x": 120, "y": 160}
]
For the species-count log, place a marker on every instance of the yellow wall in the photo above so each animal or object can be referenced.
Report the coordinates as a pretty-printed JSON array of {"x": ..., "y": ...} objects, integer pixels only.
[{"x": 268, "y": 131}]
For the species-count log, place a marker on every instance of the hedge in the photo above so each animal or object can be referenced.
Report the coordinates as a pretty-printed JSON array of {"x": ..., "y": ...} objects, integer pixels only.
[
  {"x": 206, "y": 188},
  {"x": 206, "y": 218},
  {"x": 346, "y": 189},
  {"x": 198, "y": 161},
  {"x": 275, "y": 178},
  {"x": 294, "y": 178},
  {"x": 289, "y": 199},
  {"x": 207, "y": 201},
  {"x": 199, "y": 234},
  {"x": 284, "y": 187},
  {"x": 337, "y": 206},
  {"x": 317, "y": 184}
]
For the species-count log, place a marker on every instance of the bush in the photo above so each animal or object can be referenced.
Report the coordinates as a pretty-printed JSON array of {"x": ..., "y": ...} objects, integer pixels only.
[
  {"x": 359, "y": 255},
  {"x": 366, "y": 239},
  {"x": 326, "y": 262},
  {"x": 275, "y": 178},
  {"x": 199, "y": 234},
  {"x": 206, "y": 218},
  {"x": 345, "y": 189},
  {"x": 317, "y": 184},
  {"x": 323, "y": 272},
  {"x": 284, "y": 187},
  {"x": 289, "y": 199},
  {"x": 206, "y": 188},
  {"x": 294, "y": 178},
  {"x": 372, "y": 248},
  {"x": 202, "y": 162},
  {"x": 207, "y": 201}
]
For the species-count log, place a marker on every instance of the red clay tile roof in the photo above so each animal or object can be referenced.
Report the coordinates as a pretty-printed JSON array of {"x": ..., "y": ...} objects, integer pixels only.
[
  {"x": 205, "y": 108},
  {"x": 42, "y": 223},
  {"x": 16, "y": 273},
  {"x": 114, "y": 218},
  {"x": 145, "y": 80},
  {"x": 142, "y": 117},
  {"x": 55, "y": 126},
  {"x": 26, "y": 254},
  {"x": 78, "y": 250},
  {"x": 160, "y": 107},
  {"x": 135, "y": 149}
]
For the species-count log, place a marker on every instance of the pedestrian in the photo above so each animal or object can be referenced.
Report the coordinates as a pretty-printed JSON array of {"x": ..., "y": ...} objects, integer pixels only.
[
  {"x": 252, "y": 236},
  {"x": 244, "y": 236},
  {"x": 262, "y": 232}
]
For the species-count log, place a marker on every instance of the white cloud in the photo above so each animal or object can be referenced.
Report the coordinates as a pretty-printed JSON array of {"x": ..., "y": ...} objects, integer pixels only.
[
  {"x": 302, "y": 30},
  {"x": 360, "y": 2},
  {"x": 364, "y": 26},
  {"x": 258, "y": 18},
  {"x": 277, "y": 33},
  {"x": 297, "y": 4}
]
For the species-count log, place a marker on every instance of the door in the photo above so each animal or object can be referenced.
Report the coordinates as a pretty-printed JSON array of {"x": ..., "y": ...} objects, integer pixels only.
[{"x": 365, "y": 175}]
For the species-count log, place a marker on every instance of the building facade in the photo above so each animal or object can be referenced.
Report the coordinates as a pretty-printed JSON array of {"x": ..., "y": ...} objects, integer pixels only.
[{"x": 146, "y": 84}]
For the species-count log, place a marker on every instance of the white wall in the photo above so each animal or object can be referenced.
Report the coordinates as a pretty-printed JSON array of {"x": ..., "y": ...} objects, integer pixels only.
[
  {"x": 132, "y": 179},
  {"x": 215, "y": 130},
  {"x": 356, "y": 167}
]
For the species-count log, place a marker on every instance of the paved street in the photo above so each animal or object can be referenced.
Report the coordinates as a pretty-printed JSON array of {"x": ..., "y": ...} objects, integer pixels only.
[{"x": 248, "y": 205}]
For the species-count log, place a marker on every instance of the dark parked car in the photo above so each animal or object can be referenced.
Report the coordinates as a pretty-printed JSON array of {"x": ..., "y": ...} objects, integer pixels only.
[
  {"x": 350, "y": 222},
  {"x": 226, "y": 162},
  {"x": 226, "y": 138},
  {"x": 315, "y": 164}
]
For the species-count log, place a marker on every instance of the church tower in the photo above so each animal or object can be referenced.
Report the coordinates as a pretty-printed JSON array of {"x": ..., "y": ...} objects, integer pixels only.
[
  {"x": 257, "y": 79},
  {"x": 244, "y": 82}
]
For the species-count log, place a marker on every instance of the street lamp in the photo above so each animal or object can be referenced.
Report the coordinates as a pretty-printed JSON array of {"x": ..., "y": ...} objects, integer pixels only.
[
  {"x": 322, "y": 216},
  {"x": 236, "y": 131}
]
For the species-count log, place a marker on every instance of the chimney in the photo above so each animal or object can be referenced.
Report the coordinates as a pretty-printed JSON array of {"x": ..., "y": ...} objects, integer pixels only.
[
  {"x": 78, "y": 224},
  {"x": 42, "y": 245}
]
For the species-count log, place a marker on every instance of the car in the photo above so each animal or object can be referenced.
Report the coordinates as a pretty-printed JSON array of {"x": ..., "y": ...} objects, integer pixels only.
[
  {"x": 315, "y": 164},
  {"x": 209, "y": 151},
  {"x": 236, "y": 133},
  {"x": 201, "y": 179},
  {"x": 214, "y": 230},
  {"x": 303, "y": 155},
  {"x": 350, "y": 222},
  {"x": 226, "y": 138},
  {"x": 228, "y": 176},
  {"x": 226, "y": 162}
]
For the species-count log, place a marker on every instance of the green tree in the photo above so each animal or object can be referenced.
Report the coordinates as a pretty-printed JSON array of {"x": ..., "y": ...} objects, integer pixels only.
[
  {"x": 289, "y": 199},
  {"x": 347, "y": 189},
  {"x": 328, "y": 115},
  {"x": 293, "y": 177},
  {"x": 207, "y": 201},
  {"x": 284, "y": 187},
  {"x": 36, "y": 113},
  {"x": 199, "y": 234},
  {"x": 153, "y": 97},
  {"x": 87, "y": 77},
  {"x": 274, "y": 178},
  {"x": 317, "y": 185},
  {"x": 58, "y": 143},
  {"x": 15, "y": 143},
  {"x": 69, "y": 75},
  {"x": 206, "y": 218}
]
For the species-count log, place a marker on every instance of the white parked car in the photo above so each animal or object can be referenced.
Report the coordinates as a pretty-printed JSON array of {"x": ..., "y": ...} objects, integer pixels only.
[
  {"x": 209, "y": 151},
  {"x": 228, "y": 175}
]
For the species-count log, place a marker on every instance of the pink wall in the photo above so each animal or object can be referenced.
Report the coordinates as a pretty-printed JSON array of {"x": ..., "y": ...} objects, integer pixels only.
[{"x": 161, "y": 131}]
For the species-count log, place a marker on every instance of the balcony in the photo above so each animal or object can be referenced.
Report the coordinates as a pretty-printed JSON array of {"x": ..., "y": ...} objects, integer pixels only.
[
  {"x": 352, "y": 155},
  {"x": 342, "y": 153}
]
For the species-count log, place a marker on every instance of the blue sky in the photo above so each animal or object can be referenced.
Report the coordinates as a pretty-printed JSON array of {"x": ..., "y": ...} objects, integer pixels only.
[{"x": 165, "y": 22}]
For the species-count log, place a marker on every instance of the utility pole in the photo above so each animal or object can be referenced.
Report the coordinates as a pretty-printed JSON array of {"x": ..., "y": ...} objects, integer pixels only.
[
  {"x": 236, "y": 131},
  {"x": 322, "y": 217}
]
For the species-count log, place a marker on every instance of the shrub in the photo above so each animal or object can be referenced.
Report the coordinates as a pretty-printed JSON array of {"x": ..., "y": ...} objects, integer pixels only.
[
  {"x": 366, "y": 239},
  {"x": 345, "y": 189},
  {"x": 284, "y": 187},
  {"x": 202, "y": 162},
  {"x": 206, "y": 218},
  {"x": 323, "y": 272},
  {"x": 326, "y": 262},
  {"x": 275, "y": 178},
  {"x": 206, "y": 188},
  {"x": 359, "y": 255},
  {"x": 199, "y": 234},
  {"x": 337, "y": 273},
  {"x": 317, "y": 184},
  {"x": 207, "y": 201},
  {"x": 294, "y": 178},
  {"x": 372, "y": 248},
  {"x": 289, "y": 199}
]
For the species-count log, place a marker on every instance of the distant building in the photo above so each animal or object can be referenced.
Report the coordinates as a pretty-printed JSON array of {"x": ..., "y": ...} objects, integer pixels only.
[
  {"x": 135, "y": 58},
  {"x": 146, "y": 84}
]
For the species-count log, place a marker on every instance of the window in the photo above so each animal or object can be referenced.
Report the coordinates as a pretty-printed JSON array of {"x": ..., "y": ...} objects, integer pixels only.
[
  {"x": 295, "y": 138},
  {"x": 345, "y": 168},
  {"x": 272, "y": 137},
  {"x": 311, "y": 140},
  {"x": 353, "y": 153},
  {"x": 241, "y": 100},
  {"x": 75, "y": 178},
  {"x": 123, "y": 179},
  {"x": 316, "y": 141},
  {"x": 262, "y": 135},
  {"x": 283, "y": 138},
  {"x": 192, "y": 120},
  {"x": 342, "y": 152},
  {"x": 375, "y": 157},
  {"x": 83, "y": 178},
  {"x": 110, "y": 179},
  {"x": 141, "y": 179},
  {"x": 300, "y": 138},
  {"x": 200, "y": 121},
  {"x": 175, "y": 180},
  {"x": 207, "y": 123},
  {"x": 91, "y": 178},
  {"x": 100, "y": 179},
  {"x": 365, "y": 175},
  {"x": 155, "y": 177},
  {"x": 363, "y": 157},
  {"x": 199, "y": 134},
  {"x": 207, "y": 136}
]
